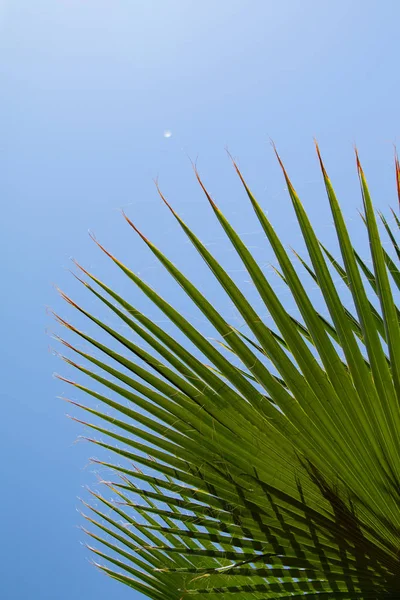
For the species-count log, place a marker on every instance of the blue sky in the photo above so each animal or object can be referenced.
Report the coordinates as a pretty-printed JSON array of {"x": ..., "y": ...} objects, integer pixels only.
[{"x": 88, "y": 88}]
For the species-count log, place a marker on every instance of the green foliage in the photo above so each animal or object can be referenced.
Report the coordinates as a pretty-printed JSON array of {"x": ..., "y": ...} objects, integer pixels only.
[{"x": 271, "y": 470}]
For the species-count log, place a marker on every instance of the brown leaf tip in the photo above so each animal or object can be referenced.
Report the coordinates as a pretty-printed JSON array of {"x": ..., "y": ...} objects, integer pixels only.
[
  {"x": 359, "y": 167},
  {"x": 235, "y": 165},
  {"x": 163, "y": 198},
  {"x": 286, "y": 176},
  {"x": 79, "y": 266},
  {"x": 93, "y": 238},
  {"x": 325, "y": 174},
  {"x": 128, "y": 220},
  {"x": 397, "y": 166},
  {"x": 203, "y": 187}
]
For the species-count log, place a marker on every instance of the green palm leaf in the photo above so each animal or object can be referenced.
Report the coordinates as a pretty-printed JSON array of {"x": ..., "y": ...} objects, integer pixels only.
[{"x": 271, "y": 458}]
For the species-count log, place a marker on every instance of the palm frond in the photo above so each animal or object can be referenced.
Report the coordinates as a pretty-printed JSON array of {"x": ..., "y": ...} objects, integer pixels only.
[{"x": 270, "y": 459}]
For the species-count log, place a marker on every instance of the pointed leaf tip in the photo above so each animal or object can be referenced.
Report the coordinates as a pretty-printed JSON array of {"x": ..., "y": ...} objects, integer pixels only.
[
  {"x": 397, "y": 166},
  {"x": 127, "y": 219},
  {"x": 203, "y": 187},
  {"x": 79, "y": 266},
  {"x": 93, "y": 238},
  {"x": 286, "y": 176},
  {"x": 235, "y": 166},
  {"x": 359, "y": 167},
  {"x": 62, "y": 378},
  {"x": 163, "y": 198},
  {"x": 324, "y": 172},
  {"x": 82, "y": 281}
]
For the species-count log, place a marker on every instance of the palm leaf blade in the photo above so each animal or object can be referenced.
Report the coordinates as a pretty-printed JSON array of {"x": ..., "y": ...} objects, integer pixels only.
[{"x": 272, "y": 469}]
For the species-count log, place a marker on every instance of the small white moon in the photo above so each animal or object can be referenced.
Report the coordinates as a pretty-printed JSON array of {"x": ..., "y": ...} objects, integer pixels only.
[{"x": 167, "y": 133}]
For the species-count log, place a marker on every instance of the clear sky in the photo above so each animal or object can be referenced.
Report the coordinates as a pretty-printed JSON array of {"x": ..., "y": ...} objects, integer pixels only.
[{"x": 87, "y": 90}]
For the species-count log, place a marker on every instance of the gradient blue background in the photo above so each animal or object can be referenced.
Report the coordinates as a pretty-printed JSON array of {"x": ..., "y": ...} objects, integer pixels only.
[{"x": 87, "y": 89}]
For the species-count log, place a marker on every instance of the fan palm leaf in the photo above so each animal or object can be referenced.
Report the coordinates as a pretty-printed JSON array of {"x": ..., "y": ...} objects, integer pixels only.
[{"x": 269, "y": 461}]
